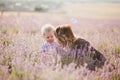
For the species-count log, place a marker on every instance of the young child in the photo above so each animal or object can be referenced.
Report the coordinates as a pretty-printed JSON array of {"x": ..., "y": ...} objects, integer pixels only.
[{"x": 49, "y": 45}]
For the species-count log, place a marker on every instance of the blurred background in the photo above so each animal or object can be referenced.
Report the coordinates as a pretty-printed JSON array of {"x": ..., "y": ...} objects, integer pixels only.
[
  {"x": 32, "y": 14},
  {"x": 82, "y": 8}
]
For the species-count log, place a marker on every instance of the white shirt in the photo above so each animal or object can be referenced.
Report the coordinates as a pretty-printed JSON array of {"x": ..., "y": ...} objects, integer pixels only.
[{"x": 47, "y": 47}]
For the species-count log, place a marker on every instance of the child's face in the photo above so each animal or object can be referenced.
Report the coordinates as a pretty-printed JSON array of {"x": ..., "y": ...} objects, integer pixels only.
[{"x": 49, "y": 37}]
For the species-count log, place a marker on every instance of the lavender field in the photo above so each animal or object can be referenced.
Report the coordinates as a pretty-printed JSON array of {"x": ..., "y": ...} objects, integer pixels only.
[{"x": 20, "y": 42}]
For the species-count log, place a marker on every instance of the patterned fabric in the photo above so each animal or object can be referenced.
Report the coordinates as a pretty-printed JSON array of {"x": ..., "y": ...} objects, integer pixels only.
[{"x": 47, "y": 47}]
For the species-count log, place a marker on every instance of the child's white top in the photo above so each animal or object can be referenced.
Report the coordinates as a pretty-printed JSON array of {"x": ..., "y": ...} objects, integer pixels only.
[{"x": 47, "y": 47}]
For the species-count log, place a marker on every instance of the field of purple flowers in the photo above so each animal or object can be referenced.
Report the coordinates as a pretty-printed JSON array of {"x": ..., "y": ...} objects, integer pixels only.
[{"x": 20, "y": 42}]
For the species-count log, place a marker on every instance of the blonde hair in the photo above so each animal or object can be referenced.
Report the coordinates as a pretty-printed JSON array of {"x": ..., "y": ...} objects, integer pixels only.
[{"x": 47, "y": 28}]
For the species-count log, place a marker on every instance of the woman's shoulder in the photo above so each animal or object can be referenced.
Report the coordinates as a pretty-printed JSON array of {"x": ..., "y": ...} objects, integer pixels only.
[{"x": 81, "y": 41}]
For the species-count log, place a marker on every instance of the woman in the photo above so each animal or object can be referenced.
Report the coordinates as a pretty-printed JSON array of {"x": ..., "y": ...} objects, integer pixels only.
[{"x": 78, "y": 50}]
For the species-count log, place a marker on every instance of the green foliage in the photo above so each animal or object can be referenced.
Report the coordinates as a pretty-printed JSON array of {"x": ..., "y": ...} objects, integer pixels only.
[
  {"x": 39, "y": 9},
  {"x": 102, "y": 46},
  {"x": 7, "y": 59},
  {"x": 66, "y": 60},
  {"x": 32, "y": 32},
  {"x": 17, "y": 74},
  {"x": 116, "y": 77},
  {"x": 7, "y": 42},
  {"x": 9, "y": 30},
  {"x": 118, "y": 50}
]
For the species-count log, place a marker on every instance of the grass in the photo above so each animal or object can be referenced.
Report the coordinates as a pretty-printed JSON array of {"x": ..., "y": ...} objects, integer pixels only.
[{"x": 19, "y": 48}]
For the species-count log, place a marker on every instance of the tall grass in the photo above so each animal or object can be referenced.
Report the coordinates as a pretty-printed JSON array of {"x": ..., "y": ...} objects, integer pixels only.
[{"x": 20, "y": 58}]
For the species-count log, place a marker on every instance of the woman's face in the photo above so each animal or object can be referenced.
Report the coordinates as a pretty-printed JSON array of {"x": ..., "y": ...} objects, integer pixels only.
[
  {"x": 64, "y": 34},
  {"x": 60, "y": 42},
  {"x": 60, "y": 38}
]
